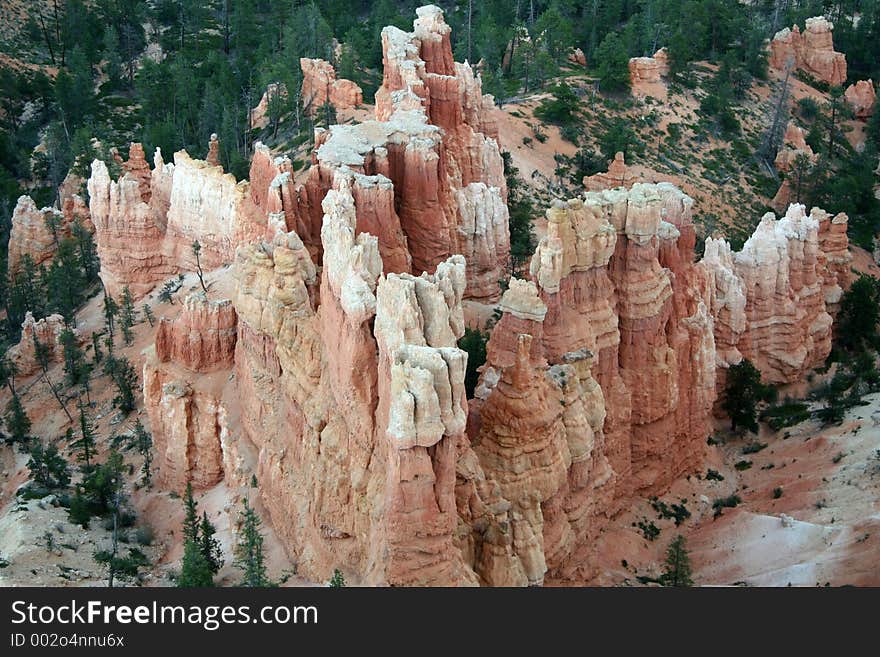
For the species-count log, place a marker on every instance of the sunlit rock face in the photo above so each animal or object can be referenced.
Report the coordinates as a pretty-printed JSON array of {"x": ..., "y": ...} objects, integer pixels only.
[{"x": 811, "y": 51}]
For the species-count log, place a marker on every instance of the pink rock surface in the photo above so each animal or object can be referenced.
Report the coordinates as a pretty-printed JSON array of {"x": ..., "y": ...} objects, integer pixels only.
[
  {"x": 811, "y": 51},
  {"x": 321, "y": 86},
  {"x": 862, "y": 97},
  {"x": 201, "y": 337}
]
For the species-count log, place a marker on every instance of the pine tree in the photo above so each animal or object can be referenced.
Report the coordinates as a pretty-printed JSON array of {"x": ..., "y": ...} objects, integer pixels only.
[
  {"x": 48, "y": 467},
  {"x": 18, "y": 424},
  {"x": 97, "y": 354},
  {"x": 195, "y": 571},
  {"x": 88, "y": 255},
  {"x": 249, "y": 557},
  {"x": 191, "y": 516},
  {"x": 197, "y": 568},
  {"x": 64, "y": 282},
  {"x": 74, "y": 359},
  {"x": 678, "y": 565},
  {"x": 127, "y": 315},
  {"x": 42, "y": 356},
  {"x": 859, "y": 314},
  {"x": 8, "y": 372},
  {"x": 210, "y": 546},
  {"x": 338, "y": 580},
  {"x": 197, "y": 249},
  {"x": 85, "y": 445},
  {"x": 613, "y": 64},
  {"x": 126, "y": 379},
  {"x": 742, "y": 392},
  {"x": 111, "y": 310},
  {"x": 144, "y": 442},
  {"x": 148, "y": 314}
]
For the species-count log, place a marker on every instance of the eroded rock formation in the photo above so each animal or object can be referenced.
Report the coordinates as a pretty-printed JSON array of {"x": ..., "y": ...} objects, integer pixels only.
[
  {"x": 772, "y": 298},
  {"x": 793, "y": 144},
  {"x": 147, "y": 221},
  {"x": 862, "y": 97},
  {"x": 47, "y": 331},
  {"x": 618, "y": 175},
  {"x": 811, "y": 51},
  {"x": 259, "y": 115},
  {"x": 201, "y": 337},
  {"x": 346, "y": 397},
  {"x": 320, "y": 86},
  {"x": 35, "y": 233},
  {"x": 649, "y": 70}
]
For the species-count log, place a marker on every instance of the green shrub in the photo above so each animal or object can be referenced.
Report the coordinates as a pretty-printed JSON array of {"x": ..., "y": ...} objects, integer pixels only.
[{"x": 714, "y": 475}]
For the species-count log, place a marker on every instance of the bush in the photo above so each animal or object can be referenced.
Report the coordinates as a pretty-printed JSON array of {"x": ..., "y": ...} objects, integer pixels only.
[
  {"x": 729, "y": 502},
  {"x": 144, "y": 535},
  {"x": 808, "y": 107},
  {"x": 754, "y": 448},
  {"x": 777, "y": 493},
  {"x": 561, "y": 108},
  {"x": 649, "y": 530},
  {"x": 714, "y": 475},
  {"x": 786, "y": 414}
]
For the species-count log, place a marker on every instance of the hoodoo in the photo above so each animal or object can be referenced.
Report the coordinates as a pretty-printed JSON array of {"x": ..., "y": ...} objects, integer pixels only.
[{"x": 323, "y": 355}]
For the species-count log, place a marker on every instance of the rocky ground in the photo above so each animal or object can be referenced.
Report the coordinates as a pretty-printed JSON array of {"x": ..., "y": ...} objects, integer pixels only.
[{"x": 809, "y": 513}]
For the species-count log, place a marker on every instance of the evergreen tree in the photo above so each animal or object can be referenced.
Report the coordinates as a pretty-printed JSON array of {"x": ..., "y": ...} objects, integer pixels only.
[
  {"x": 678, "y": 565},
  {"x": 742, "y": 392},
  {"x": 111, "y": 310},
  {"x": 126, "y": 379},
  {"x": 18, "y": 424},
  {"x": 250, "y": 558},
  {"x": 127, "y": 315},
  {"x": 195, "y": 569},
  {"x": 338, "y": 580},
  {"x": 148, "y": 314},
  {"x": 474, "y": 343},
  {"x": 197, "y": 249},
  {"x": 97, "y": 354},
  {"x": 209, "y": 546},
  {"x": 48, "y": 467},
  {"x": 8, "y": 372},
  {"x": 42, "y": 356},
  {"x": 613, "y": 64},
  {"x": 75, "y": 367},
  {"x": 191, "y": 516},
  {"x": 144, "y": 443},
  {"x": 85, "y": 445},
  {"x": 859, "y": 314},
  {"x": 87, "y": 252}
]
